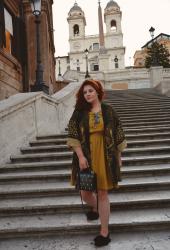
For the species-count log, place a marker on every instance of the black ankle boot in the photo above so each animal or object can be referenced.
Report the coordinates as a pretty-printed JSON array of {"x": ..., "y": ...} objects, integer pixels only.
[
  {"x": 92, "y": 215},
  {"x": 101, "y": 240}
]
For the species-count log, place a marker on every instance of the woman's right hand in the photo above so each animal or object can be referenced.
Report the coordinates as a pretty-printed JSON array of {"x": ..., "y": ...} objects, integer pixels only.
[{"x": 83, "y": 163}]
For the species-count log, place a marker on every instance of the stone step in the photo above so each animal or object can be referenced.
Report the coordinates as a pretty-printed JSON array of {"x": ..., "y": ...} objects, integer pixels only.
[
  {"x": 76, "y": 223},
  {"x": 66, "y": 165},
  {"x": 146, "y": 160},
  {"x": 131, "y": 142},
  {"x": 148, "y": 143},
  {"x": 141, "y": 110},
  {"x": 128, "y": 151},
  {"x": 131, "y": 109},
  {"x": 62, "y": 188},
  {"x": 64, "y": 136},
  {"x": 129, "y": 133},
  {"x": 145, "y": 170},
  {"x": 145, "y": 123},
  {"x": 145, "y": 127},
  {"x": 147, "y": 136},
  {"x": 148, "y": 114},
  {"x": 140, "y": 107},
  {"x": 161, "y": 158},
  {"x": 65, "y": 148},
  {"x": 137, "y": 102},
  {"x": 143, "y": 103},
  {"x": 146, "y": 151},
  {"x": 36, "y": 166},
  {"x": 130, "y": 115},
  {"x": 123, "y": 240},
  {"x": 59, "y": 136},
  {"x": 48, "y": 174},
  {"x": 144, "y": 119},
  {"x": 143, "y": 130},
  {"x": 54, "y": 204},
  {"x": 36, "y": 157},
  {"x": 44, "y": 149},
  {"x": 57, "y": 141}
]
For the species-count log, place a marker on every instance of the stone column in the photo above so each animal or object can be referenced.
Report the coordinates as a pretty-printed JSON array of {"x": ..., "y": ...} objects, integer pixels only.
[{"x": 156, "y": 76}]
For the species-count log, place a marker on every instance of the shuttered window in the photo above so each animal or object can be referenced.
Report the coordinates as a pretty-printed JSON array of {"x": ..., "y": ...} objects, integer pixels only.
[
  {"x": 2, "y": 25},
  {"x": 8, "y": 30}
]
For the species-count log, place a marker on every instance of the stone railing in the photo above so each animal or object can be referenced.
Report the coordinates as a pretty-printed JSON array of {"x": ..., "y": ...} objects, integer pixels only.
[
  {"x": 133, "y": 78},
  {"x": 162, "y": 80},
  {"x": 27, "y": 115},
  {"x": 66, "y": 99}
]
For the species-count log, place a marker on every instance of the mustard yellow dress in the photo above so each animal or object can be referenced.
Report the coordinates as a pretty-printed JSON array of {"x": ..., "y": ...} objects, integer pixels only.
[{"x": 104, "y": 181}]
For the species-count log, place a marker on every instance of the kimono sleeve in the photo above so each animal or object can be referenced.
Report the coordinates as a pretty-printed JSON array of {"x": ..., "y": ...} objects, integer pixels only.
[
  {"x": 120, "y": 140},
  {"x": 73, "y": 139}
]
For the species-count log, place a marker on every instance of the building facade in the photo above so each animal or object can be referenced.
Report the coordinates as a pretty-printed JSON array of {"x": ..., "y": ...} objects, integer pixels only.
[
  {"x": 140, "y": 55},
  {"x": 18, "y": 46},
  {"x": 105, "y": 50}
]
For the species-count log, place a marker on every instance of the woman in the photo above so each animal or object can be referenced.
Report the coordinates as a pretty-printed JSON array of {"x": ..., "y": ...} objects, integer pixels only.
[{"x": 97, "y": 138}]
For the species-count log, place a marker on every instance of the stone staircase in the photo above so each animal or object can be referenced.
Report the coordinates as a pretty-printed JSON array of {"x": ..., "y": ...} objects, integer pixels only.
[{"x": 37, "y": 199}]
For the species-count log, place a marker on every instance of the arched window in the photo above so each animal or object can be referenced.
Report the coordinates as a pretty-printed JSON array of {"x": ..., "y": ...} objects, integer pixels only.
[
  {"x": 113, "y": 25},
  {"x": 76, "y": 29}
]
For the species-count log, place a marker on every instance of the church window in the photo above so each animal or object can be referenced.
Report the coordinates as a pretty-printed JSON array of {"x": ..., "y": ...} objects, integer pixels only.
[
  {"x": 76, "y": 30},
  {"x": 95, "y": 46},
  {"x": 94, "y": 67},
  {"x": 113, "y": 25},
  {"x": 78, "y": 66}
]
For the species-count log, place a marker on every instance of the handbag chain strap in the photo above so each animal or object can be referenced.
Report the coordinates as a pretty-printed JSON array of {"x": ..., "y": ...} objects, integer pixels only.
[{"x": 83, "y": 203}]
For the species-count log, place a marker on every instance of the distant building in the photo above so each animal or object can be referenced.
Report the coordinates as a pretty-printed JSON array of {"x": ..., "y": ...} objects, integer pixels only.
[
  {"x": 140, "y": 55},
  {"x": 106, "y": 50},
  {"x": 18, "y": 46}
]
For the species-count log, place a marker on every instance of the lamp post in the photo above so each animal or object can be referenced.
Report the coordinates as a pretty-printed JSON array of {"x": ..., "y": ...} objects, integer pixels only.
[
  {"x": 39, "y": 83},
  {"x": 60, "y": 78},
  {"x": 151, "y": 30},
  {"x": 87, "y": 72},
  {"x": 59, "y": 67},
  {"x": 154, "y": 59}
]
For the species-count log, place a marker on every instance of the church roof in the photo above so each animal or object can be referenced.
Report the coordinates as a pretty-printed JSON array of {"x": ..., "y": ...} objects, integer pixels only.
[
  {"x": 75, "y": 8},
  {"x": 111, "y": 3}
]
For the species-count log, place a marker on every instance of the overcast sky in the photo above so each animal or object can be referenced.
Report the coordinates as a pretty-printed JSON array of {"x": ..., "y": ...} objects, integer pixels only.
[{"x": 137, "y": 17}]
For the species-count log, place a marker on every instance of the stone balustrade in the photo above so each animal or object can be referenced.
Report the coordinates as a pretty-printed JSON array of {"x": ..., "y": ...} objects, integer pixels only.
[{"x": 27, "y": 115}]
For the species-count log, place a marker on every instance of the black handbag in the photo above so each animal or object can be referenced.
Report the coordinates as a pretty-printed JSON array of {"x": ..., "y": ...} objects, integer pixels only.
[{"x": 86, "y": 180}]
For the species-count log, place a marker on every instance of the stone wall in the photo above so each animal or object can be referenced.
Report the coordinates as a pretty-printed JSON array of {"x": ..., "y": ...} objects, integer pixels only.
[{"x": 10, "y": 75}]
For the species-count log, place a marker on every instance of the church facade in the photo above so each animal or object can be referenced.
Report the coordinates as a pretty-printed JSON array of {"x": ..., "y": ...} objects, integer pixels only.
[{"x": 105, "y": 50}]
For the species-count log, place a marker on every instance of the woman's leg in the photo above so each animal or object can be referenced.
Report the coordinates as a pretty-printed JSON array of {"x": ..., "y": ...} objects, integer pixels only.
[
  {"x": 90, "y": 199},
  {"x": 104, "y": 211}
]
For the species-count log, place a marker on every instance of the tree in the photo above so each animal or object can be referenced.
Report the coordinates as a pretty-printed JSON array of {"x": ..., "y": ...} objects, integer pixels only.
[{"x": 157, "y": 55}]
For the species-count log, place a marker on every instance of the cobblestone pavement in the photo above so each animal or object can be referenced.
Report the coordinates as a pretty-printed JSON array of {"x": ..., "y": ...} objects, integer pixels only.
[{"x": 124, "y": 241}]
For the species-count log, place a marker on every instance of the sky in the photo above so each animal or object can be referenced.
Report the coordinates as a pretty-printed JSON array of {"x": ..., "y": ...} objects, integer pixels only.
[{"x": 137, "y": 18}]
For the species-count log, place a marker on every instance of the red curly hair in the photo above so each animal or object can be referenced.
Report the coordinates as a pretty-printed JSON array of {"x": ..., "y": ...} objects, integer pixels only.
[{"x": 81, "y": 103}]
